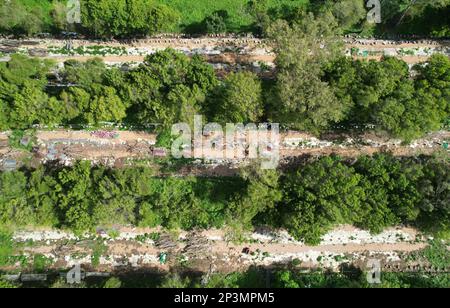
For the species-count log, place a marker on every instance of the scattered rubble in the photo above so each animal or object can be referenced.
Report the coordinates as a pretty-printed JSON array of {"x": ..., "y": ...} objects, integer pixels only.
[{"x": 130, "y": 248}]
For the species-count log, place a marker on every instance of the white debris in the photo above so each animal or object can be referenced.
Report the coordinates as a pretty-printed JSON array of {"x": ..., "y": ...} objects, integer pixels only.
[
  {"x": 339, "y": 237},
  {"x": 37, "y": 236}
]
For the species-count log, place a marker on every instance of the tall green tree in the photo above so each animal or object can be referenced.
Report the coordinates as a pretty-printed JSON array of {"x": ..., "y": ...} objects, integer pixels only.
[
  {"x": 303, "y": 100},
  {"x": 238, "y": 99}
]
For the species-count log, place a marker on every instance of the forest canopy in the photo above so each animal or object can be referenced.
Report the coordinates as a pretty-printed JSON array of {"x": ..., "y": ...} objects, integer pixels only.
[{"x": 373, "y": 193}]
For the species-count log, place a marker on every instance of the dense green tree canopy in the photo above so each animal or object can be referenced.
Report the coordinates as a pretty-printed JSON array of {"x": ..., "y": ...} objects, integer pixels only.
[
  {"x": 169, "y": 88},
  {"x": 238, "y": 99},
  {"x": 372, "y": 193},
  {"x": 119, "y": 18},
  {"x": 384, "y": 94},
  {"x": 124, "y": 18}
]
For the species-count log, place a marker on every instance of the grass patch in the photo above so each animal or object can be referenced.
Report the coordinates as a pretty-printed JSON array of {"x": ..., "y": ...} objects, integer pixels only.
[{"x": 195, "y": 11}]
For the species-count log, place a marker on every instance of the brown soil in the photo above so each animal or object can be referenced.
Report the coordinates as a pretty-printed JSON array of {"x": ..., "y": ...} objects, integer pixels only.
[{"x": 220, "y": 250}]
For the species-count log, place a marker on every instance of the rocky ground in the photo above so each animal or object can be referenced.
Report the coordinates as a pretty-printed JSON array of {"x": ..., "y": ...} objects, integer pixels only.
[
  {"x": 118, "y": 148},
  {"x": 125, "y": 248}
]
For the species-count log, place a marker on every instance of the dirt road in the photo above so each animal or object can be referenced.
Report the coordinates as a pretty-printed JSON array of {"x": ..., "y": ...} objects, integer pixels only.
[
  {"x": 224, "y": 50},
  {"x": 210, "y": 248},
  {"x": 120, "y": 148}
]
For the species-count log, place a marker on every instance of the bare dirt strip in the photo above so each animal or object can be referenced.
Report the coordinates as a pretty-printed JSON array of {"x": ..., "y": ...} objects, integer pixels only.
[
  {"x": 203, "y": 250},
  {"x": 224, "y": 50},
  {"x": 121, "y": 148}
]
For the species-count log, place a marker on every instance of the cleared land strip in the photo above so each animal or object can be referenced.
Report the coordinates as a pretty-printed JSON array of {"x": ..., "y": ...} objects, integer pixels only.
[
  {"x": 203, "y": 250},
  {"x": 223, "y": 50}
]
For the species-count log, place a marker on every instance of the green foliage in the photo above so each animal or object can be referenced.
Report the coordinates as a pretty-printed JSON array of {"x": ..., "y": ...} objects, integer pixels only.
[
  {"x": 349, "y": 13},
  {"x": 164, "y": 139},
  {"x": 7, "y": 285},
  {"x": 216, "y": 23},
  {"x": 194, "y": 13},
  {"x": 41, "y": 262},
  {"x": 155, "y": 91},
  {"x": 252, "y": 278},
  {"x": 312, "y": 92},
  {"x": 302, "y": 100},
  {"x": 93, "y": 100},
  {"x": 18, "y": 140},
  {"x": 81, "y": 198},
  {"x": 257, "y": 278},
  {"x": 374, "y": 194},
  {"x": 84, "y": 73},
  {"x": 357, "y": 279},
  {"x": 175, "y": 282},
  {"x": 422, "y": 17},
  {"x": 120, "y": 18},
  {"x": 99, "y": 248},
  {"x": 434, "y": 187},
  {"x": 383, "y": 94},
  {"x": 238, "y": 99},
  {"x": 281, "y": 278},
  {"x": 261, "y": 195},
  {"x": 24, "y": 17},
  {"x": 437, "y": 254},
  {"x": 13, "y": 204},
  {"x": 319, "y": 196},
  {"x": 108, "y": 18},
  {"x": 22, "y": 96},
  {"x": 75, "y": 184},
  {"x": 112, "y": 283},
  {"x": 407, "y": 280},
  {"x": 169, "y": 88}
]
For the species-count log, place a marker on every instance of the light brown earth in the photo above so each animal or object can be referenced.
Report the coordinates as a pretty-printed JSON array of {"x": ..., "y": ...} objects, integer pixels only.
[{"x": 224, "y": 255}]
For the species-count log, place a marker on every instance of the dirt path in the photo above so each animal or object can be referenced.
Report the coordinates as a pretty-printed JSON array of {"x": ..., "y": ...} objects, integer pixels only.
[
  {"x": 205, "y": 249},
  {"x": 223, "y": 50}
]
